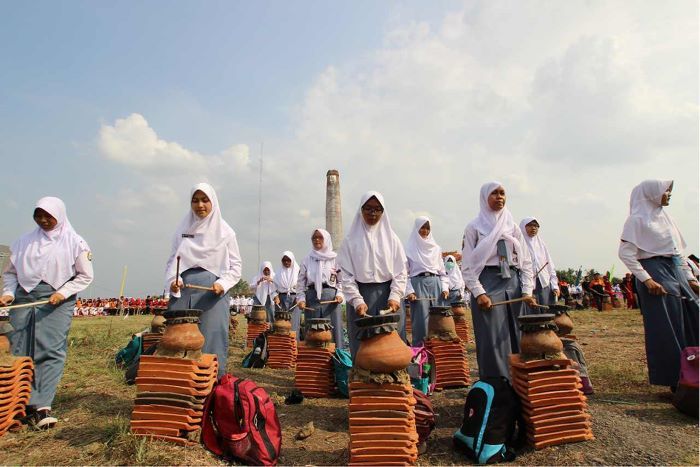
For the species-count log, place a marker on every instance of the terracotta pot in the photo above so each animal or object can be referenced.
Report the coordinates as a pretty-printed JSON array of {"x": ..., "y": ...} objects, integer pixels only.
[
  {"x": 182, "y": 331},
  {"x": 381, "y": 349},
  {"x": 441, "y": 321},
  {"x": 318, "y": 332},
  {"x": 562, "y": 319},
  {"x": 5, "y": 330},
  {"x": 282, "y": 324},
  {"x": 158, "y": 324},
  {"x": 459, "y": 308},
  {"x": 539, "y": 336},
  {"x": 4, "y": 344},
  {"x": 259, "y": 314}
]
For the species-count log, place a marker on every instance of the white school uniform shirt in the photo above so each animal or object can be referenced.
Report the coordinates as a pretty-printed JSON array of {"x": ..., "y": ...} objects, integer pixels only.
[
  {"x": 208, "y": 243},
  {"x": 424, "y": 255},
  {"x": 480, "y": 239},
  {"x": 541, "y": 259},
  {"x": 372, "y": 254},
  {"x": 319, "y": 267},
  {"x": 649, "y": 230},
  {"x": 60, "y": 257}
]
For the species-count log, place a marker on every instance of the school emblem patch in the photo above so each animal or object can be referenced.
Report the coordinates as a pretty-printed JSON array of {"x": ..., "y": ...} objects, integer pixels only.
[{"x": 89, "y": 255}]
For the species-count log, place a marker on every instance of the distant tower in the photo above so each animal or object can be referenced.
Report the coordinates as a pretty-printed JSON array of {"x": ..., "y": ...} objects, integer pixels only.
[{"x": 334, "y": 216}]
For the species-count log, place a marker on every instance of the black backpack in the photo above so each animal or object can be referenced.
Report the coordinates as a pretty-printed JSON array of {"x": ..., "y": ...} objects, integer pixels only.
[
  {"x": 258, "y": 356},
  {"x": 492, "y": 424}
]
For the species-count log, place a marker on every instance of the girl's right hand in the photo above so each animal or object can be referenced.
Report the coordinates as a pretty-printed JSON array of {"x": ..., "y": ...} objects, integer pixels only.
[
  {"x": 411, "y": 297},
  {"x": 5, "y": 300},
  {"x": 301, "y": 305},
  {"x": 361, "y": 309},
  {"x": 175, "y": 287},
  {"x": 654, "y": 287},
  {"x": 484, "y": 301}
]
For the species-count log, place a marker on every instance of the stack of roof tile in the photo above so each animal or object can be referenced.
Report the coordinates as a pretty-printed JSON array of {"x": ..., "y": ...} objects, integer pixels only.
[
  {"x": 254, "y": 330},
  {"x": 282, "y": 350},
  {"x": 149, "y": 339},
  {"x": 314, "y": 370},
  {"x": 382, "y": 424},
  {"x": 451, "y": 368},
  {"x": 170, "y": 397},
  {"x": 554, "y": 408},
  {"x": 15, "y": 390},
  {"x": 462, "y": 328}
]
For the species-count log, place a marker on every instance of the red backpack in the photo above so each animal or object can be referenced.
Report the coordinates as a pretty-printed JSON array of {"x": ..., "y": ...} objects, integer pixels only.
[{"x": 240, "y": 422}]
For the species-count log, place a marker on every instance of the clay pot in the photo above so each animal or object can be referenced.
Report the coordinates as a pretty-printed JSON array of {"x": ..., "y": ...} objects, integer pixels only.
[
  {"x": 5, "y": 330},
  {"x": 459, "y": 308},
  {"x": 182, "y": 331},
  {"x": 158, "y": 324},
  {"x": 259, "y": 314},
  {"x": 539, "y": 335},
  {"x": 381, "y": 349},
  {"x": 441, "y": 321},
  {"x": 318, "y": 332},
  {"x": 282, "y": 324},
  {"x": 562, "y": 319}
]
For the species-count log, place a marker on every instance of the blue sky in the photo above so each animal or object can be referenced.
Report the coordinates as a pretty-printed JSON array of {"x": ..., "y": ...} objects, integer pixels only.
[{"x": 119, "y": 107}]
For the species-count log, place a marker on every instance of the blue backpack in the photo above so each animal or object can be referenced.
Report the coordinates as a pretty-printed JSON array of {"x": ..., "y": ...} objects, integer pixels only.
[
  {"x": 490, "y": 425},
  {"x": 131, "y": 352},
  {"x": 342, "y": 364}
]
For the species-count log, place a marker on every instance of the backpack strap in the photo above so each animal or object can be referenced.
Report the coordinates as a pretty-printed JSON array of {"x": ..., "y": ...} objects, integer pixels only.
[{"x": 210, "y": 436}]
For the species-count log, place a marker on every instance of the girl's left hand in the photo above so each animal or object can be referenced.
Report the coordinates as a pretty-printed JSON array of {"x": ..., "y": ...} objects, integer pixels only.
[
  {"x": 445, "y": 294},
  {"x": 217, "y": 289},
  {"x": 56, "y": 299},
  {"x": 394, "y": 305},
  {"x": 530, "y": 301},
  {"x": 339, "y": 299},
  {"x": 693, "y": 285}
]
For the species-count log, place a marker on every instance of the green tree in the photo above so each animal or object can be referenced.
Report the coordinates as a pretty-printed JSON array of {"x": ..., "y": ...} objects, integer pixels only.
[{"x": 242, "y": 288}]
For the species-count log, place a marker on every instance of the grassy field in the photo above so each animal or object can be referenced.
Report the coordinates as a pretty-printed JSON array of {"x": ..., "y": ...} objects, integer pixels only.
[{"x": 634, "y": 423}]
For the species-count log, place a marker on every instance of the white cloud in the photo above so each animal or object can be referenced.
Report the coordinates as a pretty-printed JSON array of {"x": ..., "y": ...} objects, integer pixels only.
[{"x": 570, "y": 104}]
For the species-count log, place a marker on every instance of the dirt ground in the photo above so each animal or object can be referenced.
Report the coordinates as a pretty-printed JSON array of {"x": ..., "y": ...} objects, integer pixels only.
[{"x": 634, "y": 423}]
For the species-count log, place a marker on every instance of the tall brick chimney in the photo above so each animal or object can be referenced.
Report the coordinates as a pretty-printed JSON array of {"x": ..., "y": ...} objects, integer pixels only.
[{"x": 334, "y": 216}]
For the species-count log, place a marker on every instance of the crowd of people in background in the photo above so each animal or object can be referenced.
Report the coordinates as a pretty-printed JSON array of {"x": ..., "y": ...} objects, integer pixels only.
[{"x": 112, "y": 306}]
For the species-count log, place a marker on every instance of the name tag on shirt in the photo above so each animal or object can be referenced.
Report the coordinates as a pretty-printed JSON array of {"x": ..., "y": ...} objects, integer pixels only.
[{"x": 187, "y": 235}]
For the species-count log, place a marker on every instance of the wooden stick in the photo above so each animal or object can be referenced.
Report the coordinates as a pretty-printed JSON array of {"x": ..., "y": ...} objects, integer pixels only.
[
  {"x": 425, "y": 298},
  {"x": 538, "y": 272},
  {"x": 327, "y": 302},
  {"x": 199, "y": 287},
  {"x": 309, "y": 308},
  {"x": 506, "y": 302},
  {"x": 177, "y": 270},
  {"x": 23, "y": 305},
  {"x": 295, "y": 305}
]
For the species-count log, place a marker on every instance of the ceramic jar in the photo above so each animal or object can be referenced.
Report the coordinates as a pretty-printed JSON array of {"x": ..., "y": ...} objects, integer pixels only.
[
  {"x": 318, "y": 332},
  {"x": 158, "y": 323},
  {"x": 459, "y": 309},
  {"x": 5, "y": 330},
  {"x": 562, "y": 319},
  {"x": 259, "y": 314},
  {"x": 182, "y": 331},
  {"x": 539, "y": 335},
  {"x": 441, "y": 322},
  {"x": 283, "y": 323},
  {"x": 381, "y": 349}
]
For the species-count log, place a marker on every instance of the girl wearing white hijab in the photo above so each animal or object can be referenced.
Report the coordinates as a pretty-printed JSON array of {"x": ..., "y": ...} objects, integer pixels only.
[
  {"x": 54, "y": 263},
  {"x": 428, "y": 283},
  {"x": 318, "y": 282},
  {"x": 496, "y": 266},
  {"x": 285, "y": 292},
  {"x": 544, "y": 273},
  {"x": 264, "y": 283},
  {"x": 651, "y": 247},
  {"x": 455, "y": 280},
  {"x": 372, "y": 264},
  {"x": 209, "y": 257}
]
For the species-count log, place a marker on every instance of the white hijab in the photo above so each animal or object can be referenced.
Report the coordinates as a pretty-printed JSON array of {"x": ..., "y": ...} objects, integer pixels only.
[
  {"x": 424, "y": 252},
  {"x": 318, "y": 261},
  {"x": 286, "y": 278},
  {"x": 494, "y": 225},
  {"x": 538, "y": 252},
  {"x": 265, "y": 288},
  {"x": 455, "y": 275},
  {"x": 48, "y": 256},
  {"x": 372, "y": 254},
  {"x": 649, "y": 226},
  {"x": 204, "y": 242}
]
